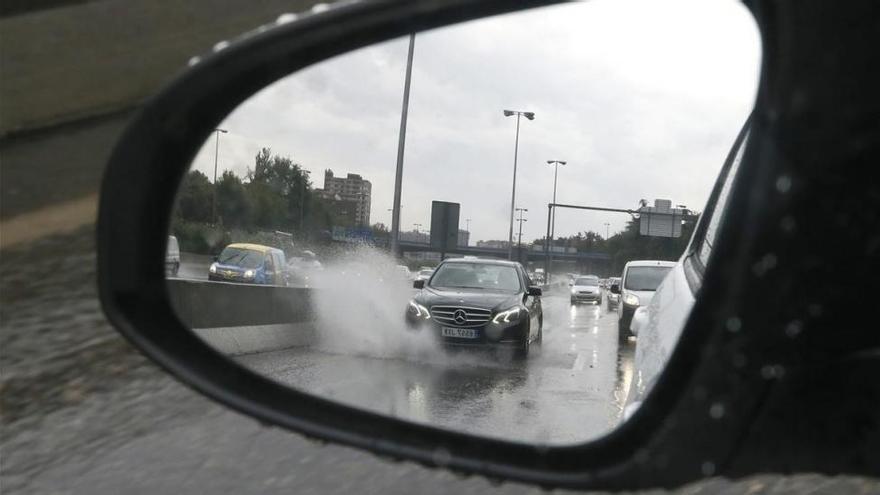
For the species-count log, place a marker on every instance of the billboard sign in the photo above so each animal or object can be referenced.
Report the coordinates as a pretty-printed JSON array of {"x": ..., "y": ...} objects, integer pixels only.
[
  {"x": 444, "y": 225},
  {"x": 661, "y": 220}
]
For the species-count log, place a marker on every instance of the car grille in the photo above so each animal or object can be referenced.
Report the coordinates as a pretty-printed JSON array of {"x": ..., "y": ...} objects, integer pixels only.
[
  {"x": 476, "y": 317},
  {"x": 585, "y": 292}
]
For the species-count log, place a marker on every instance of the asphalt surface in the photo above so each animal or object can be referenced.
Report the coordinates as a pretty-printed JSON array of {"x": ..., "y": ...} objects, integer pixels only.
[
  {"x": 82, "y": 412},
  {"x": 570, "y": 389}
]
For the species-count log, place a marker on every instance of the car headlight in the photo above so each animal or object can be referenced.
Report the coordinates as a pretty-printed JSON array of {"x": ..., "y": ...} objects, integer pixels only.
[
  {"x": 631, "y": 300},
  {"x": 511, "y": 315},
  {"x": 213, "y": 268},
  {"x": 573, "y": 290},
  {"x": 417, "y": 310},
  {"x": 249, "y": 274}
]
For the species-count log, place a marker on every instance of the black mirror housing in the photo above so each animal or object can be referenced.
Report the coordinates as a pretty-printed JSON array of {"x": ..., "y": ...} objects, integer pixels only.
[
  {"x": 671, "y": 439},
  {"x": 535, "y": 291}
]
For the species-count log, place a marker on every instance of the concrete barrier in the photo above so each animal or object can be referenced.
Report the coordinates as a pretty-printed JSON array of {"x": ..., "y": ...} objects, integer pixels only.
[
  {"x": 242, "y": 319},
  {"x": 235, "y": 341},
  {"x": 204, "y": 304}
]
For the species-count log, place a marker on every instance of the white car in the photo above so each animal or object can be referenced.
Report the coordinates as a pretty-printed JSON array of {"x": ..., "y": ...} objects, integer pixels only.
[
  {"x": 637, "y": 285},
  {"x": 586, "y": 289},
  {"x": 424, "y": 274},
  {"x": 659, "y": 323}
]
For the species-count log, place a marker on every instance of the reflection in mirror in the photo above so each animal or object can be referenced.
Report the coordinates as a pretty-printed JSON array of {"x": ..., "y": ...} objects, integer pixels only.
[{"x": 289, "y": 254}]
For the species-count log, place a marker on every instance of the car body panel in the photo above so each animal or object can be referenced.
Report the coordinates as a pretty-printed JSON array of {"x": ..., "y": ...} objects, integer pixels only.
[{"x": 658, "y": 334}]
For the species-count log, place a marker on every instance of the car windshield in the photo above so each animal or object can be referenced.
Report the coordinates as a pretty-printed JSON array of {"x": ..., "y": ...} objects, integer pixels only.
[
  {"x": 476, "y": 276},
  {"x": 426, "y": 272},
  {"x": 244, "y": 258},
  {"x": 587, "y": 281},
  {"x": 645, "y": 277}
]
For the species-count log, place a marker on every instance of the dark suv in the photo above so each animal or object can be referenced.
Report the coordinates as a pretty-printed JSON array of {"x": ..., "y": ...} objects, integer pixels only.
[{"x": 477, "y": 302}]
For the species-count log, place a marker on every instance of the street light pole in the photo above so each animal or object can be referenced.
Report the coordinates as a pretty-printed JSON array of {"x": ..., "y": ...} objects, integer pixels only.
[
  {"x": 217, "y": 131},
  {"x": 530, "y": 116},
  {"x": 519, "y": 237},
  {"x": 302, "y": 200},
  {"x": 556, "y": 164},
  {"x": 606, "y": 230},
  {"x": 401, "y": 142}
]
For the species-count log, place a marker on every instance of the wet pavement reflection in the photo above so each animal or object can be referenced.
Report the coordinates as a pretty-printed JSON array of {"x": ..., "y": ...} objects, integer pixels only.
[{"x": 570, "y": 389}]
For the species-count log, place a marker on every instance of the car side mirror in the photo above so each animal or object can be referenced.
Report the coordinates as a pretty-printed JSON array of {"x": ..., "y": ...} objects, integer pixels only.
[
  {"x": 216, "y": 258},
  {"x": 418, "y": 284},
  {"x": 615, "y": 289},
  {"x": 535, "y": 291}
]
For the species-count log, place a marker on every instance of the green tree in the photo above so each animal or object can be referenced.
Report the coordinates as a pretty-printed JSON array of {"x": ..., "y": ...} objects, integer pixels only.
[
  {"x": 194, "y": 198},
  {"x": 281, "y": 191},
  {"x": 233, "y": 203}
]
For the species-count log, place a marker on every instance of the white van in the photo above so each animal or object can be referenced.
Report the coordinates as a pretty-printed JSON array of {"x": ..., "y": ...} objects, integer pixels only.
[
  {"x": 172, "y": 257},
  {"x": 637, "y": 285}
]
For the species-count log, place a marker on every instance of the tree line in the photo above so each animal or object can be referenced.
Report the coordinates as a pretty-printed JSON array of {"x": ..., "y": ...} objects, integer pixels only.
[{"x": 276, "y": 194}]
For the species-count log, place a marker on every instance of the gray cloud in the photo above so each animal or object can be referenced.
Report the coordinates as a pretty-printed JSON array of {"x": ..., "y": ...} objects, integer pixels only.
[{"x": 642, "y": 98}]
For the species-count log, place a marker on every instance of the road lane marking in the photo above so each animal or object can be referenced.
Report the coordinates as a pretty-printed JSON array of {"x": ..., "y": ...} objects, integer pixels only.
[{"x": 579, "y": 362}]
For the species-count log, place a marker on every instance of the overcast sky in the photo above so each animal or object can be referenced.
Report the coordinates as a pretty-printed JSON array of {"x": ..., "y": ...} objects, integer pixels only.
[{"x": 642, "y": 98}]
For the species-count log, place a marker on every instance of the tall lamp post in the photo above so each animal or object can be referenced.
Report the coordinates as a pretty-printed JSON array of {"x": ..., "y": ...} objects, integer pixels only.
[
  {"x": 556, "y": 164},
  {"x": 302, "y": 199},
  {"x": 606, "y": 230},
  {"x": 530, "y": 116},
  {"x": 519, "y": 236},
  {"x": 217, "y": 131},
  {"x": 401, "y": 142}
]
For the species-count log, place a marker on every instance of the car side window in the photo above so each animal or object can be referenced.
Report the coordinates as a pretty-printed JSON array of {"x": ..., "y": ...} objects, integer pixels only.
[
  {"x": 717, "y": 215},
  {"x": 270, "y": 266}
]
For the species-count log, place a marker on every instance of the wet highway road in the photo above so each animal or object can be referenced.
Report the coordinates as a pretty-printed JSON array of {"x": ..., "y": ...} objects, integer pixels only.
[
  {"x": 104, "y": 419},
  {"x": 571, "y": 388}
]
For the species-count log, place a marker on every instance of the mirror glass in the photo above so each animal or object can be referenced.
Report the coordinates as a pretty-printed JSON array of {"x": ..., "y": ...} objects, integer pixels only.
[{"x": 283, "y": 252}]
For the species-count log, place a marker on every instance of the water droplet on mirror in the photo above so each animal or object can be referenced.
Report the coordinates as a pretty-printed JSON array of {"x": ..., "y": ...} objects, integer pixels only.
[
  {"x": 783, "y": 183},
  {"x": 193, "y": 61},
  {"x": 716, "y": 411},
  {"x": 787, "y": 224},
  {"x": 770, "y": 372},
  {"x": 707, "y": 468},
  {"x": 733, "y": 324},
  {"x": 222, "y": 45},
  {"x": 766, "y": 263},
  {"x": 286, "y": 18},
  {"x": 794, "y": 329},
  {"x": 320, "y": 7}
]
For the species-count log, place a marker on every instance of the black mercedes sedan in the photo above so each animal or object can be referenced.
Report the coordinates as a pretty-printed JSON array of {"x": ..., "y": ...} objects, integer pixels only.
[{"x": 479, "y": 302}]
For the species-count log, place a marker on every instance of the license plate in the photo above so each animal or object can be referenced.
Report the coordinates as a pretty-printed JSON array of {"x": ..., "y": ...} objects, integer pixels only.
[{"x": 459, "y": 333}]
